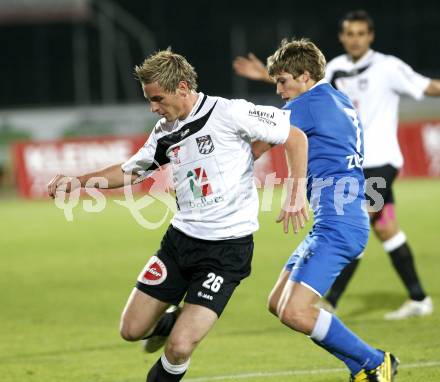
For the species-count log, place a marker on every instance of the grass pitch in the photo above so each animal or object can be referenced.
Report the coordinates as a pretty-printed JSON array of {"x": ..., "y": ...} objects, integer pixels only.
[{"x": 63, "y": 286}]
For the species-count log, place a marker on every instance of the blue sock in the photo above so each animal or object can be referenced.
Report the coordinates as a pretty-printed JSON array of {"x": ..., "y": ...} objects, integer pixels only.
[
  {"x": 335, "y": 337},
  {"x": 353, "y": 366}
]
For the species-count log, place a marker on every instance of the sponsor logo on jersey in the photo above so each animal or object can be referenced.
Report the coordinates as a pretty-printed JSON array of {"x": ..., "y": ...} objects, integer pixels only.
[
  {"x": 204, "y": 295},
  {"x": 205, "y": 144},
  {"x": 201, "y": 189},
  {"x": 203, "y": 202},
  {"x": 154, "y": 273},
  {"x": 183, "y": 134},
  {"x": 263, "y": 116},
  {"x": 199, "y": 182}
]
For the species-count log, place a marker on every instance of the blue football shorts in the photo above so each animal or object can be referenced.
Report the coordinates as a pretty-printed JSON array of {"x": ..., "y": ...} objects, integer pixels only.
[{"x": 324, "y": 253}]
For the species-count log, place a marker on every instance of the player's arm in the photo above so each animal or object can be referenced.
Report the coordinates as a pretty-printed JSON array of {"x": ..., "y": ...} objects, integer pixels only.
[
  {"x": 272, "y": 125},
  {"x": 404, "y": 80},
  {"x": 252, "y": 68},
  {"x": 295, "y": 207},
  {"x": 259, "y": 148},
  {"x": 433, "y": 89},
  {"x": 113, "y": 177}
]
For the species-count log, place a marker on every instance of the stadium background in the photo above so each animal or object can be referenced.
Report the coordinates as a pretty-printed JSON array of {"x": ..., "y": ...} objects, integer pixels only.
[{"x": 66, "y": 73}]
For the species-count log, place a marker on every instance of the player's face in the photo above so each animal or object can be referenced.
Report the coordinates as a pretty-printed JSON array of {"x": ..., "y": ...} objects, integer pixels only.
[
  {"x": 166, "y": 104},
  {"x": 356, "y": 38},
  {"x": 288, "y": 87}
]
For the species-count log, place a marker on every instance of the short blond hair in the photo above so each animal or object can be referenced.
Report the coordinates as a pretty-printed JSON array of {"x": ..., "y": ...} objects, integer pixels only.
[
  {"x": 295, "y": 57},
  {"x": 168, "y": 69}
]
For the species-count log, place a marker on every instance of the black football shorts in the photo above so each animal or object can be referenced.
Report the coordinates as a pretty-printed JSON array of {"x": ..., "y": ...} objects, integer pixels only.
[
  {"x": 207, "y": 272},
  {"x": 387, "y": 173}
]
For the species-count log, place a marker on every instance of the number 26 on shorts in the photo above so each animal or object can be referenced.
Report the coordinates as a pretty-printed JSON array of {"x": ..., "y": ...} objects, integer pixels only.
[{"x": 213, "y": 282}]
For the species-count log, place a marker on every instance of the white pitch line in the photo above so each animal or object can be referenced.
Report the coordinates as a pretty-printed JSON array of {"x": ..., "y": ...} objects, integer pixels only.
[{"x": 418, "y": 365}]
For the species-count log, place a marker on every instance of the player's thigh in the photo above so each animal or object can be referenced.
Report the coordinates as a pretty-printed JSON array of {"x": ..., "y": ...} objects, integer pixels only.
[
  {"x": 163, "y": 276},
  {"x": 192, "y": 325},
  {"x": 379, "y": 192},
  {"x": 140, "y": 314},
  {"x": 215, "y": 270},
  {"x": 330, "y": 248}
]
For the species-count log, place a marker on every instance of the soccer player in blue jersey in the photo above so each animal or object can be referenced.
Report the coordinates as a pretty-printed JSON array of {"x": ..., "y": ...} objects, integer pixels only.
[{"x": 335, "y": 189}]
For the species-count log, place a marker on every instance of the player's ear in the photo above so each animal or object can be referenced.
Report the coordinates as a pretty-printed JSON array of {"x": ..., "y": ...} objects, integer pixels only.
[
  {"x": 182, "y": 88},
  {"x": 305, "y": 76}
]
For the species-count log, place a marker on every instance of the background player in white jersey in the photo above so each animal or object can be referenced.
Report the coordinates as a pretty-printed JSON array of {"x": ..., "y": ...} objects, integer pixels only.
[
  {"x": 374, "y": 82},
  {"x": 208, "y": 247}
]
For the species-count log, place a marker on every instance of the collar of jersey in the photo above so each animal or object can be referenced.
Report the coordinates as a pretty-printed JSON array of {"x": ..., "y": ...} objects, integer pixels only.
[
  {"x": 362, "y": 61},
  {"x": 320, "y": 82},
  {"x": 323, "y": 81},
  {"x": 194, "y": 109}
]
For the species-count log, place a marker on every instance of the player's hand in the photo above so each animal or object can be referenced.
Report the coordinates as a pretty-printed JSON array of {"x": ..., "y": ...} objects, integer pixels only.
[
  {"x": 250, "y": 67},
  {"x": 294, "y": 211},
  {"x": 62, "y": 183}
]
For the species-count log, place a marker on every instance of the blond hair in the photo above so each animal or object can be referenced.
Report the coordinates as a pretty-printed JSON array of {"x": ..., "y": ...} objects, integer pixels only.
[
  {"x": 168, "y": 69},
  {"x": 295, "y": 57}
]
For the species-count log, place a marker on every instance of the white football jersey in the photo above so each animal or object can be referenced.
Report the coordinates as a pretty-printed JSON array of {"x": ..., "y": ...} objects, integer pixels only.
[
  {"x": 212, "y": 165},
  {"x": 374, "y": 84}
]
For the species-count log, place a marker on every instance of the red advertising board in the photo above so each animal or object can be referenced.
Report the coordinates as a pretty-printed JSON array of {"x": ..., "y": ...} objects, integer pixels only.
[
  {"x": 420, "y": 144},
  {"x": 37, "y": 162}
]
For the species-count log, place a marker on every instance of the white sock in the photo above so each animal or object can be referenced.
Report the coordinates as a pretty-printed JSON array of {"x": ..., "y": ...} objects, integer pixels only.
[
  {"x": 322, "y": 325},
  {"x": 395, "y": 242},
  {"x": 173, "y": 369}
]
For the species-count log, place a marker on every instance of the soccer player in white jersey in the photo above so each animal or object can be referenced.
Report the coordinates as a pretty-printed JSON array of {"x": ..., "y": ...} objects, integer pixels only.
[
  {"x": 374, "y": 82},
  {"x": 208, "y": 247}
]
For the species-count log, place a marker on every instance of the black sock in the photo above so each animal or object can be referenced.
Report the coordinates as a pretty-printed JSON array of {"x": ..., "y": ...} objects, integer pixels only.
[
  {"x": 158, "y": 374},
  {"x": 403, "y": 263},
  {"x": 165, "y": 324},
  {"x": 341, "y": 282}
]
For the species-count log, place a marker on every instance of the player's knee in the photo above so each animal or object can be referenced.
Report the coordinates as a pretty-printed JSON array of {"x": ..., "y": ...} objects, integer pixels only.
[
  {"x": 180, "y": 348},
  {"x": 130, "y": 332},
  {"x": 385, "y": 223},
  {"x": 384, "y": 230}
]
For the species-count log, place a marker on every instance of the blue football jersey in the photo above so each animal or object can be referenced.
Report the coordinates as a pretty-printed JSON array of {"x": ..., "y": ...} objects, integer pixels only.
[{"x": 336, "y": 183}]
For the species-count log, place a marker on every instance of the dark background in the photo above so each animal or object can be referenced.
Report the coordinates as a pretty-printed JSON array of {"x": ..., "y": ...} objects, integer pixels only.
[{"x": 36, "y": 58}]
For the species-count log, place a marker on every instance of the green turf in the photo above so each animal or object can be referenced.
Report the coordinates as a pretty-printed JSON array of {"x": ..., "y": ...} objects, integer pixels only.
[{"x": 63, "y": 286}]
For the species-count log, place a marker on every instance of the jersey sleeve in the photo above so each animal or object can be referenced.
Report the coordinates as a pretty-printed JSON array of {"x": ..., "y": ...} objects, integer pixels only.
[
  {"x": 264, "y": 123},
  {"x": 148, "y": 158},
  {"x": 405, "y": 80}
]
